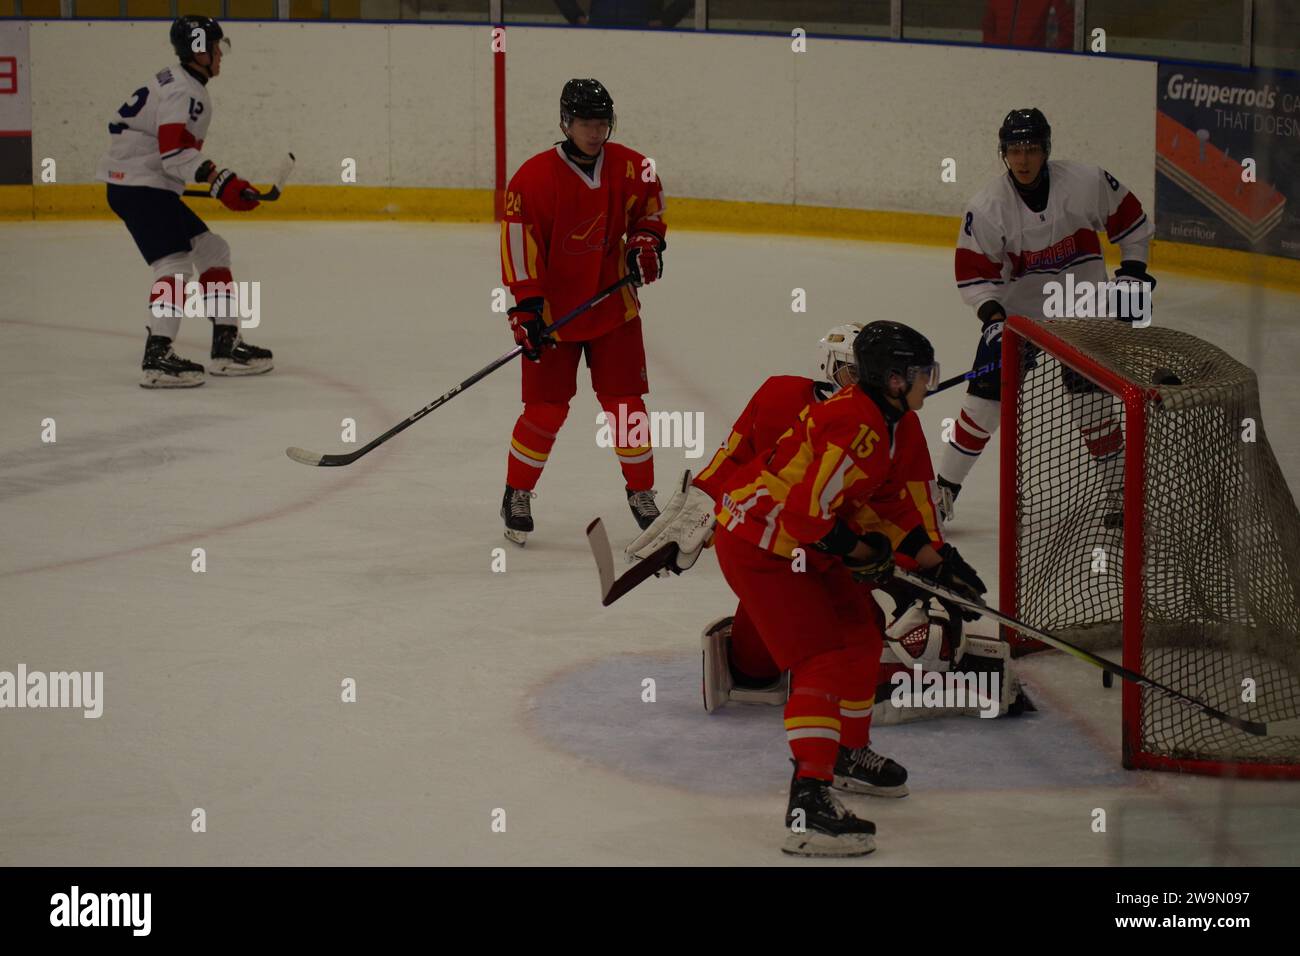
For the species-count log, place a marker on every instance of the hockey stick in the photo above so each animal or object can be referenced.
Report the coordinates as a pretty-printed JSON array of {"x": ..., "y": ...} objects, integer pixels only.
[
  {"x": 271, "y": 195},
  {"x": 1277, "y": 728},
  {"x": 965, "y": 377},
  {"x": 612, "y": 588},
  {"x": 304, "y": 457}
]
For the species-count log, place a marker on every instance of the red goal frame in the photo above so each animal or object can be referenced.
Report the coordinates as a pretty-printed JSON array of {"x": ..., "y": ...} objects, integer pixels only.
[{"x": 1136, "y": 399}]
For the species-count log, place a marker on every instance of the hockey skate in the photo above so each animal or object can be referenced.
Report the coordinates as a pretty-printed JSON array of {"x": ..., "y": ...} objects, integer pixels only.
[
  {"x": 516, "y": 509},
  {"x": 721, "y": 684},
  {"x": 820, "y": 826},
  {"x": 231, "y": 355},
  {"x": 865, "y": 771},
  {"x": 163, "y": 368},
  {"x": 644, "y": 509},
  {"x": 946, "y": 494}
]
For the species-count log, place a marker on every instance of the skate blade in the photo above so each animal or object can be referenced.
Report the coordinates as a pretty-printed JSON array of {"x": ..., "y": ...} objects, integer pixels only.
[
  {"x": 191, "y": 380},
  {"x": 516, "y": 537},
  {"x": 822, "y": 845},
  {"x": 849, "y": 785},
  {"x": 236, "y": 369}
]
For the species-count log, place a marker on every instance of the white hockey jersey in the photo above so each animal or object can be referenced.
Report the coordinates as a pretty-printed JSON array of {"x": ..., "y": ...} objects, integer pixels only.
[
  {"x": 1008, "y": 252},
  {"x": 156, "y": 135}
]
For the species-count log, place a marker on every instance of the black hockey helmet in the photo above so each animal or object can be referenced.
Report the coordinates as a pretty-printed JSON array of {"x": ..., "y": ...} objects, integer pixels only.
[
  {"x": 586, "y": 99},
  {"x": 186, "y": 31},
  {"x": 1025, "y": 126},
  {"x": 887, "y": 348}
]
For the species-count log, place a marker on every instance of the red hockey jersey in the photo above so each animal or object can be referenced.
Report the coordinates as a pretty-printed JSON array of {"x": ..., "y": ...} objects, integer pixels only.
[
  {"x": 563, "y": 236},
  {"x": 833, "y": 459}
]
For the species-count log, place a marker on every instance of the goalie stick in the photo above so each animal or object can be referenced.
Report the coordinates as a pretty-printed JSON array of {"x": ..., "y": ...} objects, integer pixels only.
[
  {"x": 271, "y": 195},
  {"x": 304, "y": 457},
  {"x": 1276, "y": 728},
  {"x": 612, "y": 588}
]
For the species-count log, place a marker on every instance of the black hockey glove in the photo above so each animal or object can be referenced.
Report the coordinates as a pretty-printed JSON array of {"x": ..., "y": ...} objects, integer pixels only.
[
  {"x": 529, "y": 328},
  {"x": 956, "y": 575},
  {"x": 1137, "y": 271},
  {"x": 1130, "y": 274},
  {"x": 988, "y": 354},
  {"x": 878, "y": 566}
]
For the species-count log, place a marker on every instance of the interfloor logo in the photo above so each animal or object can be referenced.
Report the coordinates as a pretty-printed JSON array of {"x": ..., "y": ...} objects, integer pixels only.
[
  {"x": 652, "y": 430},
  {"x": 1098, "y": 300},
  {"x": 102, "y": 909},
  {"x": 78, "y": 690},
  {"x": 980, "y": 691},
  {"x": 212, "y": 300}
]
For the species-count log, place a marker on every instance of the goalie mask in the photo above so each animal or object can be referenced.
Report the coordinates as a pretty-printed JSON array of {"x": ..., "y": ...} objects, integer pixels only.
[{"x": 835, "y": 360}]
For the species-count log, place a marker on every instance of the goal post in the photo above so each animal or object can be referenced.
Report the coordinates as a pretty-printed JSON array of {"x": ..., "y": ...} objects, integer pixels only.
[{"x": 1142, "y": 508}]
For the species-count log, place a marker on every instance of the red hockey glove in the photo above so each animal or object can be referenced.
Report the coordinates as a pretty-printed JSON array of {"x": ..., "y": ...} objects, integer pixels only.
[
  {"x": 529, "y": 329},
  {"x": 229, "y": 188},
  {"x": 645, "y": 258}
]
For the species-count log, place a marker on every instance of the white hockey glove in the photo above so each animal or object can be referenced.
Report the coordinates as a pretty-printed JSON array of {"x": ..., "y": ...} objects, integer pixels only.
[{"x": 686, "y": 520}]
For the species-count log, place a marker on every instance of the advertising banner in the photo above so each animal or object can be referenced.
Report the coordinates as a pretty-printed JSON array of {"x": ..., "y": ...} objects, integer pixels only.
[{"x": 1228, "y": 159}]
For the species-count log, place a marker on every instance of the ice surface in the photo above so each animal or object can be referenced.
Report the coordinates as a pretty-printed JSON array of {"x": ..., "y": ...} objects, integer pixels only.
[{"x": 476, "y": 690}]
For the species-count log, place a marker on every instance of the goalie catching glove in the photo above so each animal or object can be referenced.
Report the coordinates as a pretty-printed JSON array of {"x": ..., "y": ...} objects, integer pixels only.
[{"x": 686, "y": 520}]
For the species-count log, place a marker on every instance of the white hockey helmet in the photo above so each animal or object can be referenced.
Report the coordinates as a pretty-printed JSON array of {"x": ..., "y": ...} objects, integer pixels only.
[{"x": 835, "y": 361}]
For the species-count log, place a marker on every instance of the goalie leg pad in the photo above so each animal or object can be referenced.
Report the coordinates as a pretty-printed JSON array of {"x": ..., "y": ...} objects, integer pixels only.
[
  {"x": 984, "y": 666},
  {"x": 719, "y": 683}
]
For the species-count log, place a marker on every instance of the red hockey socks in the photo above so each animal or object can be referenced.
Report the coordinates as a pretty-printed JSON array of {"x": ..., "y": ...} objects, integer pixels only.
[
  {"x": 531, "y": 442},
  {"x": 978, "y": 420},
  {"x": 629, "y": 426}
]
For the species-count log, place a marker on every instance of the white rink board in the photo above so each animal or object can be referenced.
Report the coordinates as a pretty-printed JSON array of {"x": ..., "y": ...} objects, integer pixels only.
[
  {"x": 855, "y": 124},
  {"x": 410, "y": 109}
]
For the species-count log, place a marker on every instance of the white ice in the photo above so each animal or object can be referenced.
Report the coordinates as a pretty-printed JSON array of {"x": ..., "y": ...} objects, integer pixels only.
[{"x": 480, "y": 691}]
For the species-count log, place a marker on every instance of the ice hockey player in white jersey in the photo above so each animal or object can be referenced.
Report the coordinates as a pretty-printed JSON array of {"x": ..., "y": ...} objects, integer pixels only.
[
  {"x": 155, "y": 150},
  {"x": 1034, "y": 225}
]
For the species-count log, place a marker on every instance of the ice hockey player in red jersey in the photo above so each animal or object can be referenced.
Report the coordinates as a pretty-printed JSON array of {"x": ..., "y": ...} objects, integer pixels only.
[
  {"x": 579, "y": 217},
  {"x": 1035, "y": 225},
  {"x": 155, "y": 149},
  {"x": 797, "y": 534}
]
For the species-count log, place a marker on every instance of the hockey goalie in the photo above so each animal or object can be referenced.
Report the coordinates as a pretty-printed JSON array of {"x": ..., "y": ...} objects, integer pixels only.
[{"x": 923, "y": 638}]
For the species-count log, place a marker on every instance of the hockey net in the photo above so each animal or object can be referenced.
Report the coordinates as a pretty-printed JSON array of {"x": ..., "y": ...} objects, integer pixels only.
[{"x": 1141, "y": 506}]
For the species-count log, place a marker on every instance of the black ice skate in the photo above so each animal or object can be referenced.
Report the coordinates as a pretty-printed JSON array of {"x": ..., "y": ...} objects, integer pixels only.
[
  {"x": 865, "y": 771},
  {"x": 643, "y": 506},
  {"x": 947, "y": 503},
  {"x": 231, "y": 355},
  {"x": 163, "y": 368},
  {"x": 516, "y": 509},
  {"x": 820, "y": 826}
]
